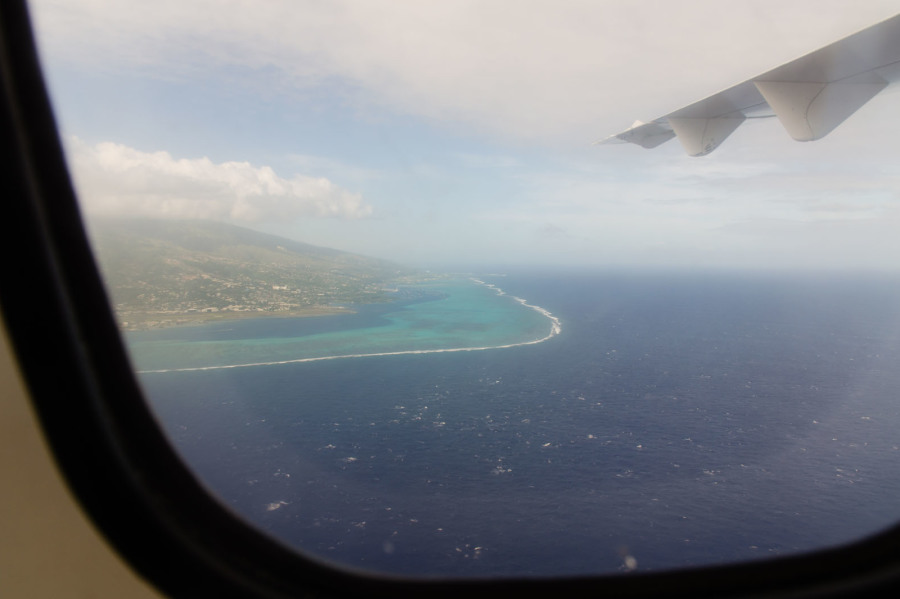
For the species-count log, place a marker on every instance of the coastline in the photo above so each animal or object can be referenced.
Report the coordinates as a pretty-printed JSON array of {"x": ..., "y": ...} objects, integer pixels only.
[
  {"x": 555, "y": 329},
  {"x": 145, "y": 321}
]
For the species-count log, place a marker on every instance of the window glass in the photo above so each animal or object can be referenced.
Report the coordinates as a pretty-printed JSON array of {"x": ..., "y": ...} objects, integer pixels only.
[{"x": 394, "y": 309}]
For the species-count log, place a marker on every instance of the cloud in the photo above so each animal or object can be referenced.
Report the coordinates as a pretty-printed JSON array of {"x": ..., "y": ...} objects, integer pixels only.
[
  {"x": 551, "y": 230},
  {"x": 334, "y": 168},
  {"x": 116, "y": 180},
  {"x": 527, "y": 70},
  {"x": 470, "y": 160},
  {"x": 871, "y": 243}
]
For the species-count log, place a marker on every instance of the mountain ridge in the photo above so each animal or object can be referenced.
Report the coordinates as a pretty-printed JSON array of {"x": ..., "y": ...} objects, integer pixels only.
[{"x": 168, "y": 272}]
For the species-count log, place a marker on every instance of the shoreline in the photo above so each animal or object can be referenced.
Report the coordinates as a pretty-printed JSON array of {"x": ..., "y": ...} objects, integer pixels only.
[
  {"x": 136, "y": 320},
  {"x": 555, "y": 329},
  {"x": 146, "y": 321}
]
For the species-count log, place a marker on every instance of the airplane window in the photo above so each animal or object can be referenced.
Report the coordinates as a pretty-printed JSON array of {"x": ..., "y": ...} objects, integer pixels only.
[{"x": 394, "y": 309}]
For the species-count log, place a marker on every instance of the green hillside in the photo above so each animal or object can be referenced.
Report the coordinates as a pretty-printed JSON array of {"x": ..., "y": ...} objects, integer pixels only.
[{"x": 166, "y": 272}]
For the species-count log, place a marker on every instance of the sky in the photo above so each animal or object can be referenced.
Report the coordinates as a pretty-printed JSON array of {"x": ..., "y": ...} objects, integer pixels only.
[{"x": 460, "y": 133}]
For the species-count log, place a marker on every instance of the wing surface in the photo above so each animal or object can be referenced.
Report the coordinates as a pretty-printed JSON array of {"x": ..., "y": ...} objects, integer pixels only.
[{"x": 811, "y": 95}]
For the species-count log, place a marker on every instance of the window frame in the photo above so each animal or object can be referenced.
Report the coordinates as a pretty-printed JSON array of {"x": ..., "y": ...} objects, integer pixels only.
[{"x": 136, "y": 489}]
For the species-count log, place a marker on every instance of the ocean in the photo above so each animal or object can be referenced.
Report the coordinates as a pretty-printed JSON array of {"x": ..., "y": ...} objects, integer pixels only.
[{"x": 623, "y": 420}]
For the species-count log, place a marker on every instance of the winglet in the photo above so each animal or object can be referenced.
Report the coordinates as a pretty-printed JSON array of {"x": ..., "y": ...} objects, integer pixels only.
[{"x": 646, "y": 135}]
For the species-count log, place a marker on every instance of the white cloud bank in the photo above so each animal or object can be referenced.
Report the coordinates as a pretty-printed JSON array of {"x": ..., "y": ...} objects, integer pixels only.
[
  {"x": 569, "y": 71},
  {"x": 116, "y": 180}
]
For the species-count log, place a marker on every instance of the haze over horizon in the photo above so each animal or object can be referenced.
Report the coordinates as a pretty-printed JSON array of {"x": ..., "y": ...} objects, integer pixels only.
[{"x": 448, "y": 134}]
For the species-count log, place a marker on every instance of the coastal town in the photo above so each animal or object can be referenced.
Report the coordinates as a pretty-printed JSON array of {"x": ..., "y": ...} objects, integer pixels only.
[{"x": 206, "y": 297}]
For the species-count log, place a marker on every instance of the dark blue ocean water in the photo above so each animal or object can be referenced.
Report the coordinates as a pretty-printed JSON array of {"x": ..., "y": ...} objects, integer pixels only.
[{"x": 680, "y": 419}]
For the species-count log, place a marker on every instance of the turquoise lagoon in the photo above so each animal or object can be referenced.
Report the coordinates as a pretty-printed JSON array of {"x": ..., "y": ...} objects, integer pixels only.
[{"x": 465, "y": 315}]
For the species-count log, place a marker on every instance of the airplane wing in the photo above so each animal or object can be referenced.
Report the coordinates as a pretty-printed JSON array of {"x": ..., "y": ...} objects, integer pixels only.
[{"x": 811, "y": 96}]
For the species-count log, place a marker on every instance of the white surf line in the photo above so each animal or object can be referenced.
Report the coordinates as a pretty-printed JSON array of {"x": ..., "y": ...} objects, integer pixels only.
[{"x": 555, "y": 330}]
